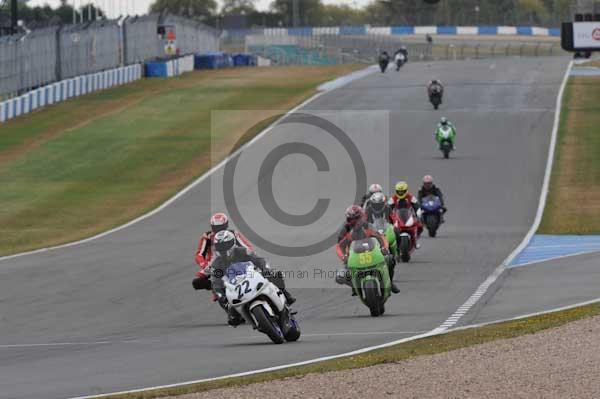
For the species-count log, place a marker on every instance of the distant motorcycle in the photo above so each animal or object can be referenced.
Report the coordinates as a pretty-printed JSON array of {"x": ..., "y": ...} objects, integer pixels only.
[
  {"x": 260, "y": 302},
  {"x": 384, "y": 60},
  {"x": 400, "y": 60},
  {"x": 406, "y": 225},
  {"x": 435, "y": 97},
  {"x": 432, "y": 213},
  {"x": 445, "y": 136}
]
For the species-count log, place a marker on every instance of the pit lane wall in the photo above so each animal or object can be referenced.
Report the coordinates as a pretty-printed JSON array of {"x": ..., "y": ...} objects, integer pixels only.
[{"x": 398, "y": 30}]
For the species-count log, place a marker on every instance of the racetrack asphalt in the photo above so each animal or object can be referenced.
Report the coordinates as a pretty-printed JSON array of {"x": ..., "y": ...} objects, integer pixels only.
[{"x": 120, "y": 313}]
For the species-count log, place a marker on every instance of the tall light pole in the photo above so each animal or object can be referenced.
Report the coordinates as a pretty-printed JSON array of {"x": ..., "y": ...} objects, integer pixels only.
[
  {"x": 14, "y": 16},
  {"x": 295, "y": 13}
]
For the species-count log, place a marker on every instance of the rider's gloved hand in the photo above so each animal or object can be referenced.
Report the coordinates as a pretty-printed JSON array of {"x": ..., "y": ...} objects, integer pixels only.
[{"x": 223, "y": 301}]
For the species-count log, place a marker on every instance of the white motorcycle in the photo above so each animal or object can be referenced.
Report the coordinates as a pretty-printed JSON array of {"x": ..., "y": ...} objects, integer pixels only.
[
  {"x": 399, "y": 60},
  {"x": 260, "y": 302}
]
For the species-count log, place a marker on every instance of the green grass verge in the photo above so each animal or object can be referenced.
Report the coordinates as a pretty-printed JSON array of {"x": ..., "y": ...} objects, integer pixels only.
[
  {"x": 426, "y": 346},
  {"x": 573, "y": 205},
  {"x": 81, "y": 167}
]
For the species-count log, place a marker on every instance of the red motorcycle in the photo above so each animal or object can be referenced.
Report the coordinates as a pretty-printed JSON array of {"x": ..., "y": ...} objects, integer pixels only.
[{"x": 406, "y": 226}]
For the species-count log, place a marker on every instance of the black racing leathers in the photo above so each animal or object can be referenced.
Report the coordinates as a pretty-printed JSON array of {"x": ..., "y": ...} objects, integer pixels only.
[
  {"x": 433, "y": 190},
  {"x": 240, "y": 254},
  {"x": 372, "y": 214}
]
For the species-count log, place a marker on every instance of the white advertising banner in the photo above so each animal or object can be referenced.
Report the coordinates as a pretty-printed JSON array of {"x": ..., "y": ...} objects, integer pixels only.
[{"x": 586, "y": 35}]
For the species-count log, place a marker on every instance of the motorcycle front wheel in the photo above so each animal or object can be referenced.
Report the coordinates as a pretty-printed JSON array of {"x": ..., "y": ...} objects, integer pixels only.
[
  {"x": 405, "y": 249},
  {"x": 266, "y": 325},
  {"x": 373, "y": 298},
  {"x": 432, "y": 223}
]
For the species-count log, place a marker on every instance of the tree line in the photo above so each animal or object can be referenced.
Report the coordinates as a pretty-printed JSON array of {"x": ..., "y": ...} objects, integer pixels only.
[
  {"x": 376, "y": 13},
  {"x": 243, "y": 13}
]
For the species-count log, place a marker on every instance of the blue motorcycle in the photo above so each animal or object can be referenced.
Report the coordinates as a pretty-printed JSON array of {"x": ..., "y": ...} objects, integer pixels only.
[{"x": 432, "y": 213}]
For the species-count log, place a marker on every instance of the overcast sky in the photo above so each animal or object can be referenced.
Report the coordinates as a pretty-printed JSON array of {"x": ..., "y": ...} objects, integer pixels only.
[{"x": 117, "y": 7}]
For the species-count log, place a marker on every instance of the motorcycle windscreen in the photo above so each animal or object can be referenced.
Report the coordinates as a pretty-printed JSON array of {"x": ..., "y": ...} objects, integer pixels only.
[
  {"x": 431, "y": 203},
  {"x": 237, "y": 269},
  {"x": 445, "y": 132},
  {"x": 404, "y": 214},
  {"x": 362, "y": 246},
  {"x": 380, "y": 224}
]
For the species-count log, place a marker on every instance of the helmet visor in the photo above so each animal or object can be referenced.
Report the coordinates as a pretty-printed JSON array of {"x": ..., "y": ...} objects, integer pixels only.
[{"x": 401, "y": 193}]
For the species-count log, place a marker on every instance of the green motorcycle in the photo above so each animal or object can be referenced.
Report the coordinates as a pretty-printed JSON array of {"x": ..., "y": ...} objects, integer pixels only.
[
  {"x": 445, "y": 136},
  {"x": 383, "y": 227},
  {"x": 370, "y": 276}
]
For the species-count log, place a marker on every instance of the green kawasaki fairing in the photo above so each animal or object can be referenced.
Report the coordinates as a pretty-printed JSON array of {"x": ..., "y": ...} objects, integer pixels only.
[
  {"x": 370, "y": 275},
  {"x": 382, "y": 226}
]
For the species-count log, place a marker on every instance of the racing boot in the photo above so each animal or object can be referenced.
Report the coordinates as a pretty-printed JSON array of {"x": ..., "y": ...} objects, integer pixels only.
[
  {"x": 234, "y": 319},
  {"x": 288, "y": 297},
  {"x": 391, "y": 269},
  {"x": 342, "y": 277}
]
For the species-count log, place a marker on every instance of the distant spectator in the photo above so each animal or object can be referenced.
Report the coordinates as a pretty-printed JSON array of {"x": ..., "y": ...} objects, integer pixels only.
[{"x": 429, "y": 38}]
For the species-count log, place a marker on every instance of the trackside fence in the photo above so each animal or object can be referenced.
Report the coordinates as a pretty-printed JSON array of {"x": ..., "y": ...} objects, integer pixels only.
[
  {"x": 41, "y": 57},
  {"x": 338, "y": 49}
]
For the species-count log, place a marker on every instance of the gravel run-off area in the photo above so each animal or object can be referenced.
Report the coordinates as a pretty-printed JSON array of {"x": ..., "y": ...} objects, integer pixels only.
[{"x": 563, "y": 362}]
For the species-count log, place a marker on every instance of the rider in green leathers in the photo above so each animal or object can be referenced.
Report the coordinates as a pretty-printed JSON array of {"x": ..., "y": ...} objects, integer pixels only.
[{"x": 439, "y": 136}]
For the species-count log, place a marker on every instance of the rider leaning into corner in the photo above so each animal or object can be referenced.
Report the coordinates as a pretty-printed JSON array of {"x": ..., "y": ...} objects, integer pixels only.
[
  {"x": 204, "y": 253},
  {"x": 435, "y": 86},
  {"x": 355, "y": 228},
  {"x": 226, "y": 254},
  {"x": 403, "y": 199},
  {"x": 429, "y": 188}
]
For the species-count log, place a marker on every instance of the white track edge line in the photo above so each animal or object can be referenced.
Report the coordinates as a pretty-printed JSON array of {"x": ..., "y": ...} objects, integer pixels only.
[
  {"x": 547, "y": 173},
  {"x": 536, "y": 262},
  {"x": 431, "y": 333},
  {"x": 525, "y": 316},
  {"x": 173, "y": 198},
  {"x": 482, "y": 289},
  {"x": 194, "y": 183},
  {"x": 440, "y": 330}
]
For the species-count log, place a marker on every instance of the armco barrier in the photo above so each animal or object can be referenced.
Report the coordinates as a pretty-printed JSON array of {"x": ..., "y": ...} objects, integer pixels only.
[{"x": 65, "y": 89}]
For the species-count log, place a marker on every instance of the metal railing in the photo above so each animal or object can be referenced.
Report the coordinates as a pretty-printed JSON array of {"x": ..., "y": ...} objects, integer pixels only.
[
  {"x": 44, "y": 56},
  {"x": 328, "y": 49}
]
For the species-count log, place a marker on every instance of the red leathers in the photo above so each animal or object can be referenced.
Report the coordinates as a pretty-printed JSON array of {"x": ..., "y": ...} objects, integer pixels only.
[
  {"x": 345, "y": 239},
  {"x": 204, "y": 253},
  {"x": 356, "y": 220}
]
